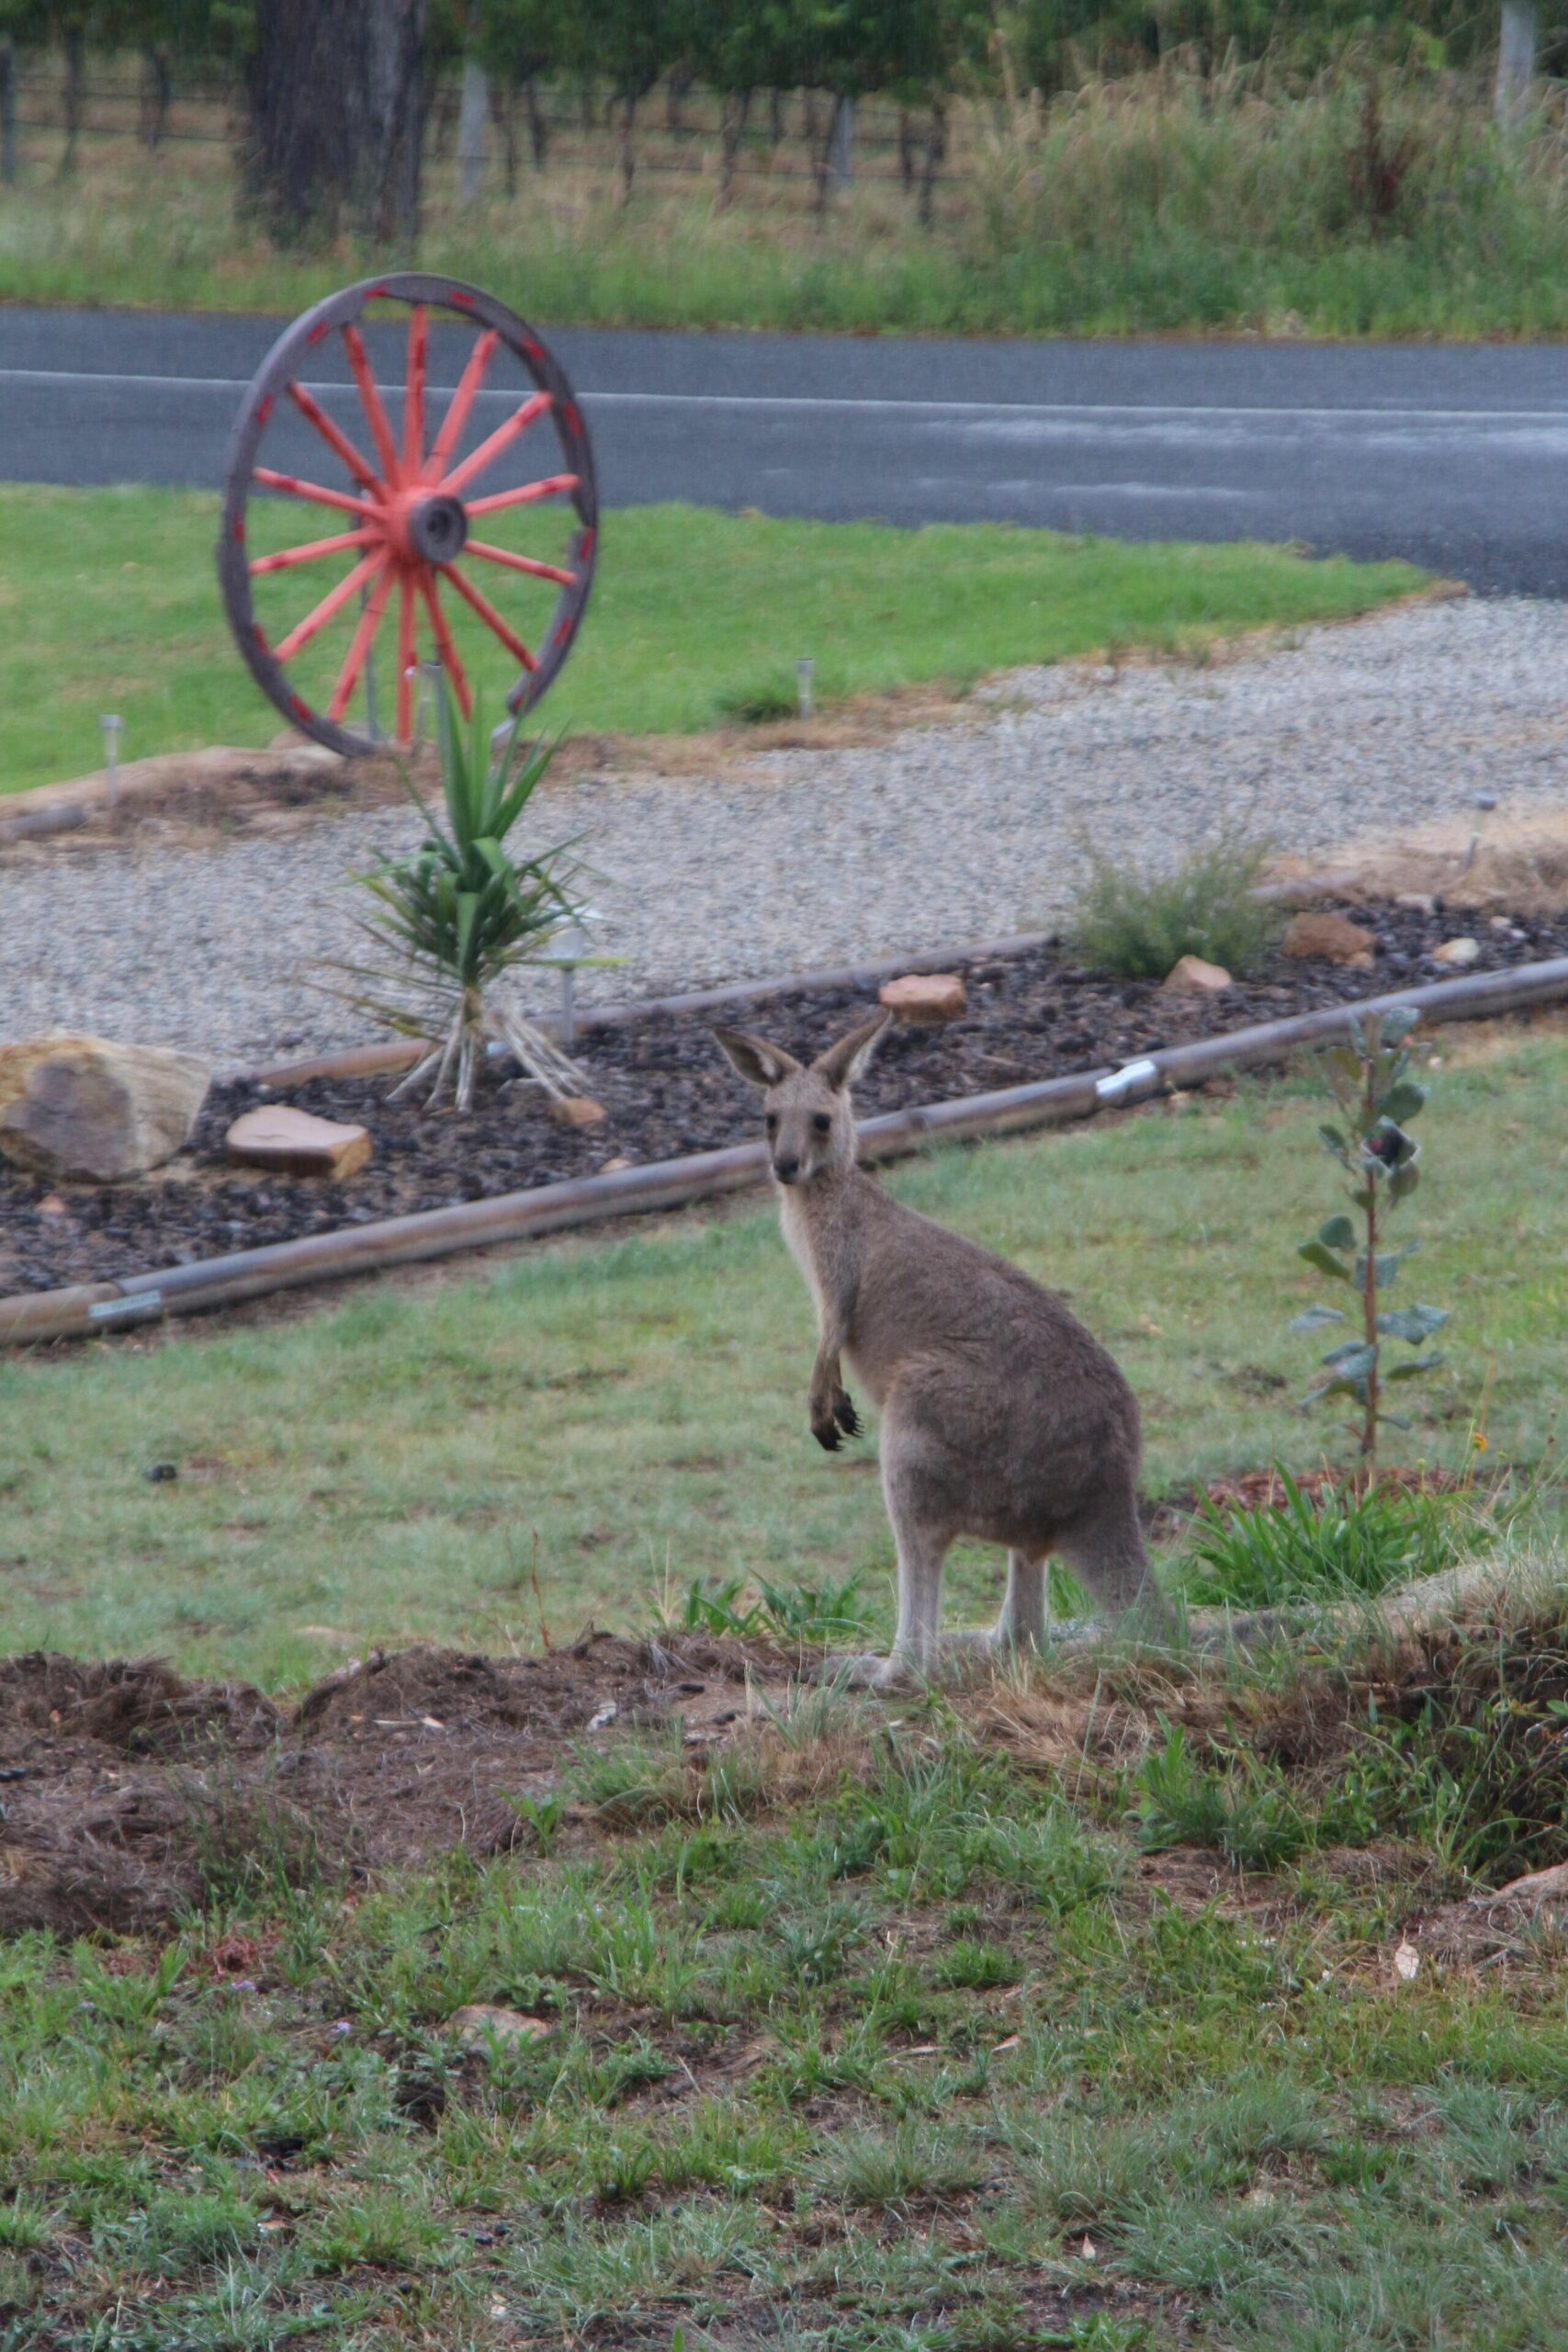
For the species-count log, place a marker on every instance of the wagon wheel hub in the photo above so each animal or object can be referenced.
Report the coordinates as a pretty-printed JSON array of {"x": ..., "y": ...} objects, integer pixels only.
[{"x": 429, "y": 529}]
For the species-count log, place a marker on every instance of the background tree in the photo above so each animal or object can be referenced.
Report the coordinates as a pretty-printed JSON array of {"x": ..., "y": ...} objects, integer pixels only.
[
  {"x": 631, "y": 43},
  {"x": 519, "y": 42},
  {"x": 335, "y": 96}
]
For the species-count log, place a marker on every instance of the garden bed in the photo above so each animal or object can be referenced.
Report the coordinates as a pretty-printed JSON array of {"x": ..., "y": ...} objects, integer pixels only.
[{"x": 667, "y": 1093}]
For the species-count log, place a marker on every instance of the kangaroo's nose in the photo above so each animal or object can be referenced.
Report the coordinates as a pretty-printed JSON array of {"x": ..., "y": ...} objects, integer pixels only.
[{"x": 787, "y": 1171}]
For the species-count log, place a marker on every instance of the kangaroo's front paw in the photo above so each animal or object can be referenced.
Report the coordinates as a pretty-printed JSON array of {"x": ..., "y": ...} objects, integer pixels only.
[
  {"x": 844, "y": 1413},
  {"x": 825, "y": 1429}
]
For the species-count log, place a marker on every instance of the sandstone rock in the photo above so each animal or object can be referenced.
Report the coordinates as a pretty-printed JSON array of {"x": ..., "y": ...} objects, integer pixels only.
[
  {"x": 1192, "y": 976},
  {"x": 925, "y": 997},
  {"x": 1459, "y": 953},
  {"x": 577, "y": 1111},
  {"x": 1330, "y": 939},
  {"x": 297, "y": 1143},
  {"x": 1420, "y": 902},
  {"x": 84, "y": 1110},
  {"x": 484, "y": 2025}
]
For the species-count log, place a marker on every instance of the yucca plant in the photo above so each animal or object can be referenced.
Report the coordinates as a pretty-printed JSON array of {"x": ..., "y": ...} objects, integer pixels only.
[{"x": 462, "y": 910}]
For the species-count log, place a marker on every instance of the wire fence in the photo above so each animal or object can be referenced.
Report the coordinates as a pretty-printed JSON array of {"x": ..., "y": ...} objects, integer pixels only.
[{"x": 678, "y": 130}]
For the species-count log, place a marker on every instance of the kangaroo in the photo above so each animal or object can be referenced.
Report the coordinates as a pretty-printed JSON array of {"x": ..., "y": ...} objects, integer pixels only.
[{"x": 1002, "y": 1419}]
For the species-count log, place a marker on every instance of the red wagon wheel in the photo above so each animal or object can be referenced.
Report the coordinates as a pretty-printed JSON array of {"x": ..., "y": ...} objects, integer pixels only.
[{"x": 476, "y": 424}]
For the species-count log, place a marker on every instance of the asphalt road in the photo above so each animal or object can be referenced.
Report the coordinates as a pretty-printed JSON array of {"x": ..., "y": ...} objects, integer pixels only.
[{"x": 1454, "y": 457}]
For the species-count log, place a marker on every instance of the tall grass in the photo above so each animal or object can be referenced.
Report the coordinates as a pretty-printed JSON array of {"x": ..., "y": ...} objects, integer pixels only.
[
  {"x": 1361, "y": 202},
  {"x": 1369, "y": 198}
]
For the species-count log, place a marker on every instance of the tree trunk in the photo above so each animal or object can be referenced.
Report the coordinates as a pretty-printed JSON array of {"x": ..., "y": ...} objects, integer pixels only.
[
  {"x": 627, "y": 144},
  {"x": 936, "y": 154},
  {"x": 471, "y": 131},
  {"x": 841, "y": 141},
  {"x": 737, "y": 106},
  {"x": 75, "y": 46},
  {"x": 906, "y": 147},
  {"x": 676, "y": 92},
  {"x": 1515, "y": 61},
  {"x": 775, "y": 120},
  {"x": 539, "y": 124},
  {"x": 157, "y": 94},
  {"x": 8, "y": 113},
  {"x": 336, "y": 98},
  {"x": 502, "y": 113}
]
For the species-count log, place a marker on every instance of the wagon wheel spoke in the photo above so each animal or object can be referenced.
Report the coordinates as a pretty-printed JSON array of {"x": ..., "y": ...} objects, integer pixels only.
[
  {"x": 413, "y": 405},
  {"x": 502, "y": 438},
  {"x": 335, "y": 438},
  {"x": 363, "y": 638},
  {"x": 332, "y": 603},
  {"x": 294, "y": 487},
  {"x": 370, "y": 400},
  {"x": 406, "y": 657},
  {"x": 463, "y": 399},
  {"x": 311, "y": 552},
  {"x": 535, "y": 571},
  {"x": 554, "y": 486},
  {"x": 481, "y": 604},
  {"x": 445, "y": 644}
]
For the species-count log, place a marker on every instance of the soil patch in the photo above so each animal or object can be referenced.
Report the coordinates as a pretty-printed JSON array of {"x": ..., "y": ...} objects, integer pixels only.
[
  {"x": 131, "y": 1795},
  {"x": 667, "y": 1093}
]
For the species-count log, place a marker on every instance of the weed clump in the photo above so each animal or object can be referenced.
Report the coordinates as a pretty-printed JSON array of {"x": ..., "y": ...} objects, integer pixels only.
[
  {"x": 1137, "y": 924},
  {"x": 1342, "y": 1543}
]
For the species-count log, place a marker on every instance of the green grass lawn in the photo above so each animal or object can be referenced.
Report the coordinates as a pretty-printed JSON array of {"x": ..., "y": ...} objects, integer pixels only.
[
  {"x": 108, "y": 601},
  {"x": 621, "y": 1418},
  {"x": 923, "y": 2028},
  {"x": 921, "y": 2060}
]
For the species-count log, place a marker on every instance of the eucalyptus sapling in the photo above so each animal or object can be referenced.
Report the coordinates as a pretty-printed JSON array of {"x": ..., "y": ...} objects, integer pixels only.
[{"x": 1369, "y": 1079}]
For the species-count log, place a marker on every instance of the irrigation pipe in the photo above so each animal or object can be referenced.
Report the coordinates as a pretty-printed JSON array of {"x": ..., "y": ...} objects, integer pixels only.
[{"x": 87, "y": 1308}]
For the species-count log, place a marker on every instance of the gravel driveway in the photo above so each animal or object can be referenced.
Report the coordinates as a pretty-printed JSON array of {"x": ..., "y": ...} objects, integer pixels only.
[{"x": 816, "y": 857}]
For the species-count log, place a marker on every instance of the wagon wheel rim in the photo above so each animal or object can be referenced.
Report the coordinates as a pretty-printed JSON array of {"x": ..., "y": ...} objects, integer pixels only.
[{"x": 408, "y": 472}]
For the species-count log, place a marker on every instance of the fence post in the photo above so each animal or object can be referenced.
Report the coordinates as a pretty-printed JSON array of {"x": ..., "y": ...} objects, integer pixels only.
[
  {"x": 840, "y": 143},
  {"x": 471, "y": 129},
  {"x": 8, "y": 112},
  {"x": 1515, "y": 61}
]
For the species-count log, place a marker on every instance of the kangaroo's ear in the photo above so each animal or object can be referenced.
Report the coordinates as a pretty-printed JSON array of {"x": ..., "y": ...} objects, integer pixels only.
[
  {"x": 842, "y": 1063},
  {"x": 759, "y": 1063}
]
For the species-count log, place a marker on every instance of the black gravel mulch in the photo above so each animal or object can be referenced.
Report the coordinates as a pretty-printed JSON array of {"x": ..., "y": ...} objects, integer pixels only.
[{"x": 667, "y": 1092}]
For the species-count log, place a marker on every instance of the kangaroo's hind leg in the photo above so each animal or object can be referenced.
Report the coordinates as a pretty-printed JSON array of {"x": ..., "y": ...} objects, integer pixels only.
[
  {"x": 1105, "y": 1550},
  {"x": 1021, "y": 1625}
]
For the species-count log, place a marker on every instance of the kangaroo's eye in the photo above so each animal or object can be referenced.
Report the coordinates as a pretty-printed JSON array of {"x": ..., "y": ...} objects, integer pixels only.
[
  {"x": 770, "y": 1122},
  {"x": 822, "y": 1123}
]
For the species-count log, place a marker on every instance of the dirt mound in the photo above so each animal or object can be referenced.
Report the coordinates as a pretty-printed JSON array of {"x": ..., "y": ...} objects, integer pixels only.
[
  {"x": 135, "y": 1710},
  {"x": 131, "y": 1794}
]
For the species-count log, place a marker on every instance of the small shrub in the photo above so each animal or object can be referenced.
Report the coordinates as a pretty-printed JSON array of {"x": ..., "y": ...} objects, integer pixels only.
[
  {"x": 760, "y": 703},
  {"x": 1369, "y": 1079},
  {"x": 798, "y": 1613},
  {"x": 1138, "y": 924},
  {"x": 1244, "y": 1808},
  {"x": 1345, "y": 1542}
]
